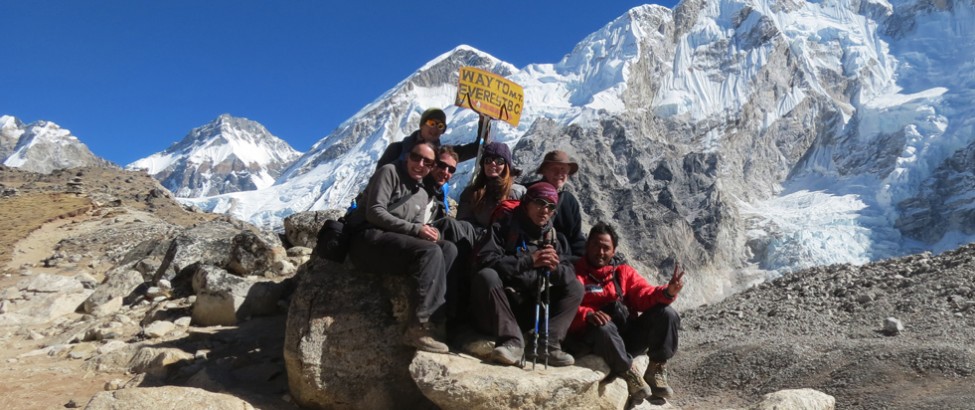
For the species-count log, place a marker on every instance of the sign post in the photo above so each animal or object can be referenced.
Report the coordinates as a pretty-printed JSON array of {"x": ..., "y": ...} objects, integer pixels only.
[{"x": 491, "y": 96}]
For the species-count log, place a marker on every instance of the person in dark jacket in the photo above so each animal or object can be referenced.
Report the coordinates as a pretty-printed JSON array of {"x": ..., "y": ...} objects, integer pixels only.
[
  {"x": 433, "y": 123},
  {"x": 460, "y": 233},
  {"x": 556, "y": 169},
  {"x": 518, "y": 249},
  {"x": 397, "y": 239},
  {"x": 648, "y": 324}
]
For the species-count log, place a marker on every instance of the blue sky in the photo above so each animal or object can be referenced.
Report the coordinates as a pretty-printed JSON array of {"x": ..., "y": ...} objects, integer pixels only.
[{"x": 130, "y": 77}]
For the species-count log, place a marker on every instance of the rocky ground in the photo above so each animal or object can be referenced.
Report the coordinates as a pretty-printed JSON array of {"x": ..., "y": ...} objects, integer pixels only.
[{"x": 101, "y": 285}]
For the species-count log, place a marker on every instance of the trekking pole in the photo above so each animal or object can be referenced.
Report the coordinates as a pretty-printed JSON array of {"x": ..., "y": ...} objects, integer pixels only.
[
  {"x": 548, "y": 300},
  {"x": 538, "y": 305}
]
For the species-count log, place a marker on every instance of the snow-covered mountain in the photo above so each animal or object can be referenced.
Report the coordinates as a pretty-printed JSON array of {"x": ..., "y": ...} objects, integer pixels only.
[
  {"x": 42, "y": 146},
  {"x": 229, "y": 154},
  {"x": 742, "y": 137}
]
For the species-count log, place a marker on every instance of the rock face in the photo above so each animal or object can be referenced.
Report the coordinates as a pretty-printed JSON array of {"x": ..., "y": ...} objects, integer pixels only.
[{"x": 342, "y": 344}]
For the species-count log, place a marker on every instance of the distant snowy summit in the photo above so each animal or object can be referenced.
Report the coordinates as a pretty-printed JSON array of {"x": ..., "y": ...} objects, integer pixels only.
[
  {"x": 230, "y": 154},
  {"x": 42, "y": 146}
]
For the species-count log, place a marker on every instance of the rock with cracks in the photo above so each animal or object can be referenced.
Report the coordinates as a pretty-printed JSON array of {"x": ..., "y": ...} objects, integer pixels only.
[
  {"x": 462, "y": 382},
  {"x": 342, "y": 344}
]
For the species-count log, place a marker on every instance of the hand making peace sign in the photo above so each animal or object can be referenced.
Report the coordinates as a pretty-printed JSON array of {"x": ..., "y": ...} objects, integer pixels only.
[{"x": 676, "y": 281}]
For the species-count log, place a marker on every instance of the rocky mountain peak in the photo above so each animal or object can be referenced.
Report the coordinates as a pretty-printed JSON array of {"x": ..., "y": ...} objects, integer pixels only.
[
  {"x": 228, "y": 154},
  {"x": 42, "y": 146}
]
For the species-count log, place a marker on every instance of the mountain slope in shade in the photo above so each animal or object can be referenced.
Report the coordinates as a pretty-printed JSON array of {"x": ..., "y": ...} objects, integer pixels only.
[
  {"x": 229, "y": 154},
  {"x": 42, "y": 146}
]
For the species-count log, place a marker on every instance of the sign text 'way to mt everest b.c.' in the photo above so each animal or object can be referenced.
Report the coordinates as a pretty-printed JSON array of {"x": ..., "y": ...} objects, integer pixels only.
[{"x": 490, "y": 94}]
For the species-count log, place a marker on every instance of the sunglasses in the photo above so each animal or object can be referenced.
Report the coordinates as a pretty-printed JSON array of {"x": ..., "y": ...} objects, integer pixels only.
[
  {"x": 443, "y": 165},
  {"x": 495, "y": 160},
  {"x": 548, "y": 206},
  {"x": 427, "y": 162},
  {"x": 436, "y": 124}
]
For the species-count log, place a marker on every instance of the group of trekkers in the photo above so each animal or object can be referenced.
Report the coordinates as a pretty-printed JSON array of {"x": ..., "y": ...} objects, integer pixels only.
[{"x": 483, "y": 268}]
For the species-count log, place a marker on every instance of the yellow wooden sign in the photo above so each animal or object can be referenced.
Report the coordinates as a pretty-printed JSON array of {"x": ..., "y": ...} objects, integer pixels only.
[{"x": 490, "y": 94}]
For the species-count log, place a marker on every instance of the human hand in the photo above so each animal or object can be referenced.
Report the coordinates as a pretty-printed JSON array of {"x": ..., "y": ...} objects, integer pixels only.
[
  {"x": 545, "y": 258},
  {"x": 598, "y": 318},
  {"x": 429, "y": 233},
  {"x": 677, "y": 281}
]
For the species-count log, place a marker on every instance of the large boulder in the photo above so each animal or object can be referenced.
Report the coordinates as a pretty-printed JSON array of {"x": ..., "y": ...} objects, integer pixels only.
[
  {"x": 342, "y": 344},
  {"x": 108, "y": 295},
  {"x": 166, "y": 397},
  {"x": 207, "y": 243},
  {"x": 225, "y": 299},
  {"x": 796, "y": 399},
  {"x": 462, "y": 382},
  {"x": 254, "y": 255},
  {"x": 301, "y": 228}
]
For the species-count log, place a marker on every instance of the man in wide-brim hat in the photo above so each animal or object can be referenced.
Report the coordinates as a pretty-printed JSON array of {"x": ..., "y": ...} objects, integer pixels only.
[{"x": 556, "y": 168}]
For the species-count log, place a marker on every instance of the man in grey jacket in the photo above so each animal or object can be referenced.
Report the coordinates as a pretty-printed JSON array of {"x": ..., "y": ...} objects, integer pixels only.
[{"x": 396, "y": 239}]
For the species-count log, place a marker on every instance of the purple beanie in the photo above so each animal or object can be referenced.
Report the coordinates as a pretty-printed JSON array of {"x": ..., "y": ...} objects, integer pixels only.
[
  {"x": 500, "y": 149},
  {"x": 542, "y": 190}
]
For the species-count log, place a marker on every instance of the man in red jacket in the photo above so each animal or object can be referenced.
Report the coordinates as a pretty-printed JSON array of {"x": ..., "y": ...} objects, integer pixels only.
[{"x": 646, "y": 324}]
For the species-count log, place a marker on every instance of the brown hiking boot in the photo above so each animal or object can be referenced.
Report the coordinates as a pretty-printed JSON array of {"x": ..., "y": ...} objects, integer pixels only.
[
  {"x": 508, "y": 353},
  {"x": 656, "y": 377},
  {"x": 635, "y": 384},
  {"x": 421, "y": 336}
]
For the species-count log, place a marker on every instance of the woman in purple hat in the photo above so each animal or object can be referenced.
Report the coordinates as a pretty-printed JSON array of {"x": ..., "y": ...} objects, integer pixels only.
[{"x": 494, "y": 183}]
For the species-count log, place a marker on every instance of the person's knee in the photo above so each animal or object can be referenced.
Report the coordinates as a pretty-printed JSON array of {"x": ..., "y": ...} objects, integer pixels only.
[
  {"x": 448, "y": 249},
  {"x": 486, "y": 278},
  {"x": 607, "y": 331}
]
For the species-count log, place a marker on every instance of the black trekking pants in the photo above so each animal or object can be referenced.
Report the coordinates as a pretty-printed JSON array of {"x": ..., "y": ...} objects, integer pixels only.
[
  {"x": 506, "y": 315},
  {"x": 384, "y": 252},
  {"x": 653, "y": 332},
  {"x": 464, "y": 236}
]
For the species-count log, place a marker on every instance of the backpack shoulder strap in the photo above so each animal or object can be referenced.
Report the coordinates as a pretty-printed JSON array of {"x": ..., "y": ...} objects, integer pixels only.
[{"x": 616, "y": 281}]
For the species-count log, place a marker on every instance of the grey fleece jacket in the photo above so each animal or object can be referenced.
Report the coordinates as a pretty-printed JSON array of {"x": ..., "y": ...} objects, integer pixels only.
[{"x": 389, "y": 186}]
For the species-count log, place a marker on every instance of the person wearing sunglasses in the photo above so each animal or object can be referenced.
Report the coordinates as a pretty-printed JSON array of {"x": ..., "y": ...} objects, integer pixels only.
[
  {"x": 494, "y": 183},
  {"x": 556, "y": 168},
  {"x": 433, "y": 124},
  {"x": 519, "y": 247},
  {"x": 398, "y": 239}
]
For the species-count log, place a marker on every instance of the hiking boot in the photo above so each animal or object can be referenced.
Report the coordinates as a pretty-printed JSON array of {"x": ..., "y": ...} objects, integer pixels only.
[
  {"x": 421, "y": 336},
  {"x": 556, "y": 357},
  {"x": 508, "y": 353},
  {"x": 638, "y": 388},
  {"x": 656, "y": 377}
]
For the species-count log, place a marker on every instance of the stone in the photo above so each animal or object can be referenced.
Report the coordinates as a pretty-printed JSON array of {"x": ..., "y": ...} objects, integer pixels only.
[
  {"x": 252, "y": 255},
  {"x": 796, "y": 399},
  {"x": 159, "y": 329},
  {"x": 47, "y": 283},
  {"x": 342, "y": 341},
  {"x": 301, "y": 228},
  {"x": 225, "y": 299},
  {"x": 206, "y": 243},
  {"x": 892, "y": 326},
  {"x": 157, "y": 361},
  {"x": 462, "y": 382},
  {"x": 166, "y": 397},
  {"x": 108, "y": 296},
  {"x": 111, "y": 346}
]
